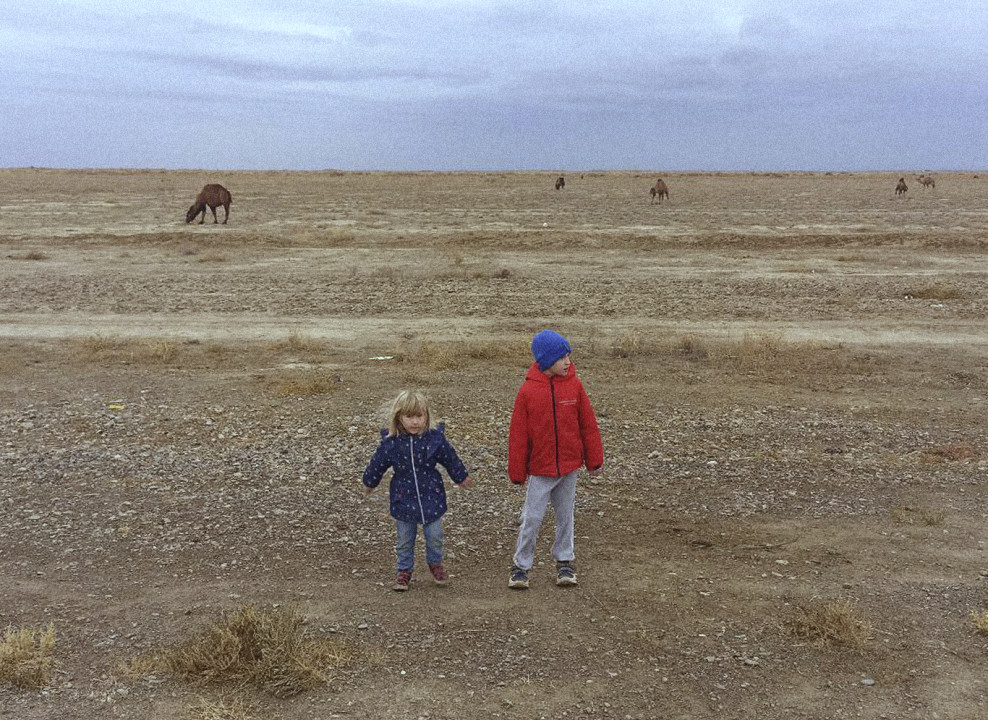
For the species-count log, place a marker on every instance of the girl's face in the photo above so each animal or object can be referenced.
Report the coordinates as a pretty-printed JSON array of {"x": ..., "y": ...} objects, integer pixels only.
[{"x": 412, "y": 424}]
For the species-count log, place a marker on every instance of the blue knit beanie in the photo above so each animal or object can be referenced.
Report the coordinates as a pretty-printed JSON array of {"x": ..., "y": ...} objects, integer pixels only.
[{"x": 548, "y": 346}]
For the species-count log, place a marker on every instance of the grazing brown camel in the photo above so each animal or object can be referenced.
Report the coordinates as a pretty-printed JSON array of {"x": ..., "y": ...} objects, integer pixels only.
[
  {"x": 211, "y": 196},
  {"x": 927, "y": 181},
  {"x": 660, "y": 189},
  {"x": 560, "y": 182},
  {"x": 900, "y": 187}
]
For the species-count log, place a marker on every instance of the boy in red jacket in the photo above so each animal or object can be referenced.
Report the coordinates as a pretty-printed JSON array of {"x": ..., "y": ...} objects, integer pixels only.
[{"x": 553, "y": 434}]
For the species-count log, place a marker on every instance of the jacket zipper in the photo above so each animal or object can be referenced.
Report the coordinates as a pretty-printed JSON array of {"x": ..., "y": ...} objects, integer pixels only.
[
  {"x": 415, "y": 476},
  {"x": 555, "y": 424}
]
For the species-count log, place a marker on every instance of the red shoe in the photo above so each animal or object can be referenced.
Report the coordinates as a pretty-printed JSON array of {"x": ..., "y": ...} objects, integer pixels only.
[
  {"x": 402, "y": 579},
  {"x": 439, "y": 574}
]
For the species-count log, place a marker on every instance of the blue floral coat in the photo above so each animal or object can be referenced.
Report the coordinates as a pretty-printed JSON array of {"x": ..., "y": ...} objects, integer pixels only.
[{"x": 417, "y": 491}]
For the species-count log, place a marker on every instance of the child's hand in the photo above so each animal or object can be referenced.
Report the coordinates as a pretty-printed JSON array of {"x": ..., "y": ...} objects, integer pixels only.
[
  {"x": 369, "y": 490},
  {"x": 467, "y": 484}
]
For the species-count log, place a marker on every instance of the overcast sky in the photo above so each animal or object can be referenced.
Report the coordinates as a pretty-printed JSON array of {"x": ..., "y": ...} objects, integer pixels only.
[{"x": 495, "y": 84}]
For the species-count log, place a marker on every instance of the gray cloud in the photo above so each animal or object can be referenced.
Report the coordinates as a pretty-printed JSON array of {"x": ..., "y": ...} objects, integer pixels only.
[{"x": 493, "y": 84}]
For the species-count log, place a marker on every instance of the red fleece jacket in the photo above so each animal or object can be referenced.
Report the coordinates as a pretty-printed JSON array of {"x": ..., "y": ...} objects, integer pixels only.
[{"x": 553, "y": 428}]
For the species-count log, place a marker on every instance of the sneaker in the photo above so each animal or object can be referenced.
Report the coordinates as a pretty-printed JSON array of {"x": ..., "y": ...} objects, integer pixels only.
[
  {"x": 519, "y": 578},
  {"x": 439, "y": 574},
  {"x": 402, "y": 579},
  {"x": 565, "y": 573}
]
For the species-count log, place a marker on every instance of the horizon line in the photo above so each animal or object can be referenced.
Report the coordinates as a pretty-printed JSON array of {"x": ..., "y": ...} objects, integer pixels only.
[{"x": 805, "y": 171}]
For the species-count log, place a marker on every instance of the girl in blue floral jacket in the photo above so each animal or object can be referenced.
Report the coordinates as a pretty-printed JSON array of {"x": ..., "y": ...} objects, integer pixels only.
[{"x": 413, "y": 448}]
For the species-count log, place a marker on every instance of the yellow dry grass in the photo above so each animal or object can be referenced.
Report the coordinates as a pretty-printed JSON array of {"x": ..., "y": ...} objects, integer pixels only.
[
  {"x": 264, "y": 648},
  {"x": 979, "y": 618},
  {"x": 630, "y": 344},
  {"x": 935, "y": 291},
  {"x": 772, "y": 355},
  {"x": 834, "y": 622},
  {"x": 30, "y": 255},
  {"x": 212, "y": 257},
  {"x": 306, "y": 383},
  {"x": 298, "y": 342},
  {"x": 691, "y": 347},
  {"x": 27, "y": 656},
  {"x": 769, "y": 355},
  {"x": 952, "y": 452},
  {"x": 904, "y": 515},
  {"x": 453, "y": 354},
  {"x": 151, "y": 351}
]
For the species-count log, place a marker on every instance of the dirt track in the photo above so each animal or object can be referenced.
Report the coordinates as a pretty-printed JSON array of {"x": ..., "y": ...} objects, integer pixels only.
[{"x": 789, "y": 369}]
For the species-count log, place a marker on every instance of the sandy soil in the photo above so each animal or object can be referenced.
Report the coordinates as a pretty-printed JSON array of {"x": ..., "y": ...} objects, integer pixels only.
[{"x": 790, "y": 375}]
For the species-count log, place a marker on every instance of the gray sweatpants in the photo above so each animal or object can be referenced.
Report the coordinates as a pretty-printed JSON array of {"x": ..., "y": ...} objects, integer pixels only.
[{"x": 561, "y": 492}]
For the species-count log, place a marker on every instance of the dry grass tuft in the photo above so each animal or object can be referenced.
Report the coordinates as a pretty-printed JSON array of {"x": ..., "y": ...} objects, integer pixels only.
[
  {"x": 952, "y": 452},
  {"x": 932, "y": 516},
  {"x": 433, "y": 355},
  {"x": 8, "y": 364},
  {"x": 333, "y": 237},
  {"x": 980, "y": 621},
  {"x": 691, "y": 347},
  {"x": 156, "y": 352},
  {"x": 27, "y": 657},
  {"x": 216, "y": 349},
  {"x": 769, "y": 352},
  {"x": 96, "y": 346},
  {"x": 630, "y": 344},
  {"x": 935, "y": 291},
  {"x": 836, "y": 622},
  {"x": 306, "y": 384},
  {"x": 30, "y": 255},
  {"x": 899, "y": 515},
  {"x": 265, "y": 648},
  {"x": 298, "y": 343},
  {"x": 904, "y": 515},
  {"x": 99, "y": 348},
  {"x": 761, "y": 354},
  {"x": 454, "y": 354},
  {"x": 771, "y": 355}
]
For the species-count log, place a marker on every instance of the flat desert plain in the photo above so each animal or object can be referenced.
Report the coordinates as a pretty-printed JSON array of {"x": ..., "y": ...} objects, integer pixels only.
[{"x": 789, "y": 373}]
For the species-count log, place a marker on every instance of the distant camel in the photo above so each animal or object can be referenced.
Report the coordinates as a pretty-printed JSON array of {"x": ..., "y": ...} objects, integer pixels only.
[
  {"x": 900, "y": 187},
  {"x": 927, "y": 181},
  {"x": 212, "y": 196},
  {"x": 560, "y": 182},
  {"x": 660, "y": 189}
]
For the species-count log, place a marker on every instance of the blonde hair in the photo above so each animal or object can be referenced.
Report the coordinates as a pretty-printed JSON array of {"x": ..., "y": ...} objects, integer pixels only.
[{"x": 408, "y": 402}]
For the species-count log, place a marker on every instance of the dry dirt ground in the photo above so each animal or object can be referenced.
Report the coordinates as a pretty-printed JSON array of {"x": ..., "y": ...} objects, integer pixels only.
[{"x": 791, "y": 381}]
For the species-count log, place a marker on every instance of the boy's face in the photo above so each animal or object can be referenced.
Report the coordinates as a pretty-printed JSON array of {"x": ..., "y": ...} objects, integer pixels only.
[
  {"x": 560, "y": 367},
  {"x": 413, "y": 424}
]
